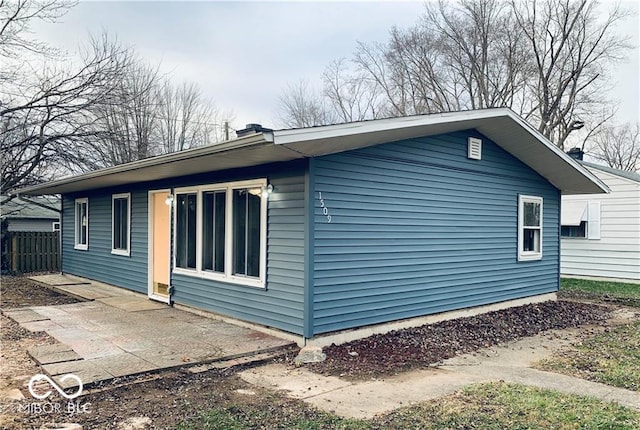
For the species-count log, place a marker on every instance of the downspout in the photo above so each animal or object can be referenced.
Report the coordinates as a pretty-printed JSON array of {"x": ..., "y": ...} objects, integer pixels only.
[{"x": 171, "y": 249}]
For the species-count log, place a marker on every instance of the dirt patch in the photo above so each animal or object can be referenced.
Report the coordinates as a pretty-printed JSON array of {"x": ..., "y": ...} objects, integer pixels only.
[
  {"x": 600, "y": 298},
  {"x": 401, "y": 350},
  {"x": 165, "y": 399},
  {"x": 17, "y": 291}
]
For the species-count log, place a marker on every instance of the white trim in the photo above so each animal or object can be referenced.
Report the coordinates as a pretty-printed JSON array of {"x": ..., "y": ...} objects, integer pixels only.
[
  {"x": 76, "y": 243},
  {"x": 228, "y": 275},
  {"x": 121, "y": 251},
  {"x": 528, "y": 255},
  {"x": 150, "y": 226}
]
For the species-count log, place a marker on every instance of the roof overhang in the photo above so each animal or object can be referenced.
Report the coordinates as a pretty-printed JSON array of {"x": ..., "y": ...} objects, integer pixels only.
[{"x": 501, "y": 125}]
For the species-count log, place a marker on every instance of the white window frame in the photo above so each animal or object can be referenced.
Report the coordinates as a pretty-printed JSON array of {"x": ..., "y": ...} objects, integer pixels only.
[
  {"x": 528, "y": 255},
  {"x": 55, "y": 226},
  {"x": 76, "y": 240},
  {"x": 227, "y": 276},
  {"x": 121, "y": 251}
]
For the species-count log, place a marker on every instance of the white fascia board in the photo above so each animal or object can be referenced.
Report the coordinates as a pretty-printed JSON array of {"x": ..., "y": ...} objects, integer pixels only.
[
  {"x": 140, "y": 165},
  {"x": 299, "y": 135}
]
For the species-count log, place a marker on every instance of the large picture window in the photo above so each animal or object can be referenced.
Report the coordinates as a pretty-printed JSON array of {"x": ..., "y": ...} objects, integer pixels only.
[
  {"x": 529, "y": 228},
  {"x": 120, "y": 223},
  {"x": 82, "y": 224},
  {"x": 221, "y": 232}
]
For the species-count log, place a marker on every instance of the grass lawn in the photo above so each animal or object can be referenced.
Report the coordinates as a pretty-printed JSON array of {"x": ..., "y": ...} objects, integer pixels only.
[
  {"x": 625, "y": 293},
  {"x": 482, "y": 406},
  {"x": 612, "y": 358}
]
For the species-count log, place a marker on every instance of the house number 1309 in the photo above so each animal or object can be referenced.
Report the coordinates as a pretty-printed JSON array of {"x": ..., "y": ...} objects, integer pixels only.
[{"x": 325, "y": 209}]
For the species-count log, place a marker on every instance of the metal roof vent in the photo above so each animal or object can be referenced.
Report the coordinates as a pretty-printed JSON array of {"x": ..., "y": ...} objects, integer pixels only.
[
  {"x": 251, "y": 129},
  {"x": 474, "y": 148}
]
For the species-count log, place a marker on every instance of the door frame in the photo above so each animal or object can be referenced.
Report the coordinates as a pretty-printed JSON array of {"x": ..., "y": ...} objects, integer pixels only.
[{"x": 150, "y": 224}]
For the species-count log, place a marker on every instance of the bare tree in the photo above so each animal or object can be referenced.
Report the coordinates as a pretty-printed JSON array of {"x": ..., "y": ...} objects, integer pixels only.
[
  {"x": 44, "y": 115},
  {"x": 186, "y": 119},
  {"x": 300, "y": 106},
  {"x": 618, "y": 147},
  {"x": 545, "y": 59},
  {"x": 350, "y": 95},
  {"x": 124, "y": 122},
  {"x": 571, "y": 44}
]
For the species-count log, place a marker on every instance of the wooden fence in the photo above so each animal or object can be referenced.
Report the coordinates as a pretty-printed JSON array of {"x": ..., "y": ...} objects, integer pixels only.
[{"x": 27, "y": 251}]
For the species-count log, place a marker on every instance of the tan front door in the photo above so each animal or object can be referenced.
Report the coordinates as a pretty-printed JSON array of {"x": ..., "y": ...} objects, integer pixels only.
[{"x": 159, "y": 245}]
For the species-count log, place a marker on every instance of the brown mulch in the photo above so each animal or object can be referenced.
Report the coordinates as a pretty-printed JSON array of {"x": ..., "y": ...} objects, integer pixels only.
[
  {"x": 401, "y": 350},
  {"x": 18, "y": 291}
]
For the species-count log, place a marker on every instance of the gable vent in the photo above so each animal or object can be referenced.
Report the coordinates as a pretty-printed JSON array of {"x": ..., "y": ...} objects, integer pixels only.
[{"x": 474, "y": 150}]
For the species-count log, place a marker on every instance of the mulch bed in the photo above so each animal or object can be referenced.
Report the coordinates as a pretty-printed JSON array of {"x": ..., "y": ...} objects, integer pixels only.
[
  {"x": 401, "y": 350},
  {"x": 18, "y": 291}
]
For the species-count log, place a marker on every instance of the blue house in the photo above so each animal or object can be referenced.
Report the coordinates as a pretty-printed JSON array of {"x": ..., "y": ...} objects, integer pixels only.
[{"x": 321, "y": 231}]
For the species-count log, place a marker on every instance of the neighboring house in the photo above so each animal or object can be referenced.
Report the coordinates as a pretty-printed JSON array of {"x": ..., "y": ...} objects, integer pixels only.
[
  {"x": 35, "y": 214},
  {"x": 324, "y": 229},
  {"x": 601, "y": 232}
]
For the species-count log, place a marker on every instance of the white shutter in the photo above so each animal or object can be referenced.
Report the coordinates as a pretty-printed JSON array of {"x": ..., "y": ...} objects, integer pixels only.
[{"x": 593, "y": 222}]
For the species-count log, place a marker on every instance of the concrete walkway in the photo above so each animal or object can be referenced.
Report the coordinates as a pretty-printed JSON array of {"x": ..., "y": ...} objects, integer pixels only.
[
  {"x": 364, "y": 399},
  {"x": 120, "y": 333}
]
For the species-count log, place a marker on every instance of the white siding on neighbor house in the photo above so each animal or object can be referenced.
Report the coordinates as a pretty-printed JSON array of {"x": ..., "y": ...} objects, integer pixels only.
[
  {"x": 29, "y": 224},
  {"x": 616, "y": 254}
]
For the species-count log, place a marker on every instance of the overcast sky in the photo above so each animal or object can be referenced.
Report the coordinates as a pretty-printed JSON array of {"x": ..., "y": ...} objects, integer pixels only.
[{"x": 242, "y": 54}]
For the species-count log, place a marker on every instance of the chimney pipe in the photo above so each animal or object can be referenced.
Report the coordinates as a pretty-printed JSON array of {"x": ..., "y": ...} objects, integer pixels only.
[
  {"x": 251, "y": 129},
  {"x": 576, "y": 153}
]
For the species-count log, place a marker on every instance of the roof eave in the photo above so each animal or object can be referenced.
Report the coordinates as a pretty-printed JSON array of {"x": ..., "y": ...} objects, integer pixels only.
[
  {"x": 501, "y": 125},
  {"x": 149, "y": 169}
]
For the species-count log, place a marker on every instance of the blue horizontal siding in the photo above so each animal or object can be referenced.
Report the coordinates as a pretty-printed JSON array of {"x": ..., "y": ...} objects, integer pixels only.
[
  {"x": 97, "y": 262},
  {"x": 417, "y": 228},
  {"x": 280, "y": 305}
]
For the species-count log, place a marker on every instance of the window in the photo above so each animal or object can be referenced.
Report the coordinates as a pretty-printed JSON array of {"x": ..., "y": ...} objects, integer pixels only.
[
  {"x": 529, "y": 228},
  {"x": 213, "y": 230},
  {"x": 82, "y": 224},
  {"x": 246, "y": 232},
  {"x": 120, "y": 224},
  {"x": 574, "y": 230},
  {"x": 580, "y": 219},
  {"x": 55, "y": 226},
  {"x": 221, "y": 232},
  {"x": 186, "y": 207}
]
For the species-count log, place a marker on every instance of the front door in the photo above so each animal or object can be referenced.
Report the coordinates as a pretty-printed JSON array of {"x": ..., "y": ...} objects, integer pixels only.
[{"x": 159, "y": 244}]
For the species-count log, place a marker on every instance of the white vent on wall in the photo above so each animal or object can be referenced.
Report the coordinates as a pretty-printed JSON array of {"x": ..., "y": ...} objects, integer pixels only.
[{"x": 474, "y": 148}]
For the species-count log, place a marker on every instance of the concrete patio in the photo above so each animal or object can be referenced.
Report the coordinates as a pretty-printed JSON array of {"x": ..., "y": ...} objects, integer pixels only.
[{"x": 117, "y": 333}]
